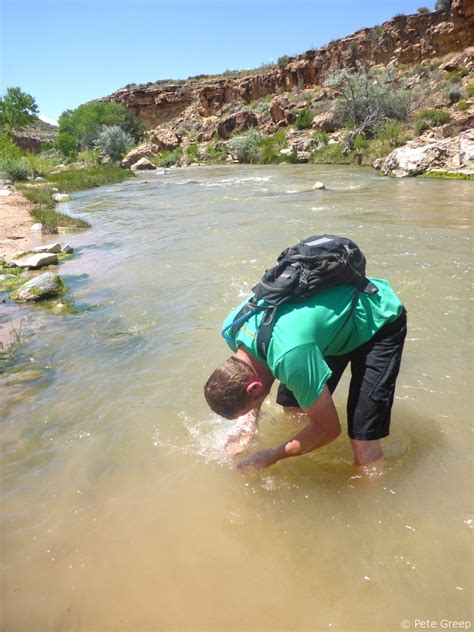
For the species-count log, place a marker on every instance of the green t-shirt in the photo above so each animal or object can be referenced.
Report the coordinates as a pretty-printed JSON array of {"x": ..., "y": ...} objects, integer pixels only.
[{"x": 306, "y": 332}]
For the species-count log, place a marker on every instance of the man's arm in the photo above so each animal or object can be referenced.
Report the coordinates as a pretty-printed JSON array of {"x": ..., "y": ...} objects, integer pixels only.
[{"x": 323, "y": 427}]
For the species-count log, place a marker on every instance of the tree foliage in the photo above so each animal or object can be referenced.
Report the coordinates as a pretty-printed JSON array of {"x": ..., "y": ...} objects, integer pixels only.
[
  {"x": 17, "y": 110},
  {"x": 367, "y": 98},
  {"x": 114, "y": 142},
  {"x": 443, "y": 5},
  {"x": 80, "y": 128}
]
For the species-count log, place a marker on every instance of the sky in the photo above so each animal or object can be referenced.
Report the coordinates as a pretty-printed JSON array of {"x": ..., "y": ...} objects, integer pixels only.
[{"x": 67, "y": 52}]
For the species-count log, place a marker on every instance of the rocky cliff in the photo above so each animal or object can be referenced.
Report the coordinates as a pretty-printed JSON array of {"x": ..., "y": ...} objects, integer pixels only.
[{"x": 402, "y": 40}]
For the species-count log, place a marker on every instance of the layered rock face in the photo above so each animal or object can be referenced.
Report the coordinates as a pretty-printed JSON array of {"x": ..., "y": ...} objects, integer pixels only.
[{"x": 404, "y": 39}]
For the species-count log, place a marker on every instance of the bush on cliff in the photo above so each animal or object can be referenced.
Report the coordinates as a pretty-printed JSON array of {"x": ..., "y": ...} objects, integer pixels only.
[
  {"x": 246, "y": 148},
  {"x": 367, "y": 98},
  {"x": 430, "y": 118},
  {"x": 304, "y": 119}
]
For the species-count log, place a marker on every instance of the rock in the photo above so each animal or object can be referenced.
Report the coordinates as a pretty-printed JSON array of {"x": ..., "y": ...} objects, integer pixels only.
[
  {"x": 303, "y": 156},
  {"x": 286, "y": 152},
  {"x": 37, "y": 227},
  {"x": 5, "y": 193},
  {"x": 165, "y": 139},
  {"x": 326, "y": 122},
  {"x": 54, "y": 190},
  {"x": 67, "y": 250},
  {"x": 142, "y": 165},
  {"x": 237, "y": 123},
  {"x": 419, "y": 156},
  {"x": 39, "y": 179},
  {"x": 34, "y": 262},
  {"x": 142, "y": 151},
  {"x": 377, "y": 164},
  {"x": 4, "y": 277},
  {"x": 61, "y": 197},
  {"x": 466, "y": 148},
  {"x": 43, "y": 286},
  {"x": 4, "y": 182},
  {"x": 60, "y": 308},
  {"x": 48, "y": 248},
  {"x": 318, "y": 186}
]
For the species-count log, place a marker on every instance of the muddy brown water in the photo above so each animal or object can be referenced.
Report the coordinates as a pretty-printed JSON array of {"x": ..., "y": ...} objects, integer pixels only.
[{"x": 119, "y": 510}]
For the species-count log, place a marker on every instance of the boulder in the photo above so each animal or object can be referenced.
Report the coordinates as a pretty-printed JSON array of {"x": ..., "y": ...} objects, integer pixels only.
[
  {"x": 40, "y": 287},
  {"x": 5, "y": 193},
  {"x": 61, "y": 197},
  {"x": 36, "y": 261},
  {"x": 165, "y": 139},
  {"x": 466, "y": 149},
  {"x": 454, "y": 155},
  {"x": 143, "y": 165},
  {"x": 238, "y": 122},
  {"x": 326, "y": 122},
  {"x": 67, "y": 250},
  {"x": 303, "y": 156},
  {"x": 318, "y": 186},
  {"x": 37, "y": 227},
  {"x": 48, "y": 248},
  {"x": 143, "y": 151}
]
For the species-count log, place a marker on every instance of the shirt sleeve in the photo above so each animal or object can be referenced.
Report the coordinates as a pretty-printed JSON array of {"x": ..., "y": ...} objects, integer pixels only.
[{"x": 304, "y": 371}]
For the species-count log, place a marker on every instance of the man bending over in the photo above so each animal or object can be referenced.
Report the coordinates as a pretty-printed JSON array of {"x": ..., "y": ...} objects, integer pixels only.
[{"x": 311, "y": 345}]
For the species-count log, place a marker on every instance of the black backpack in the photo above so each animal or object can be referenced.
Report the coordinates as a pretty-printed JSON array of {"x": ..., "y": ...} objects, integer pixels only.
[{"x": 314, "y": 264}]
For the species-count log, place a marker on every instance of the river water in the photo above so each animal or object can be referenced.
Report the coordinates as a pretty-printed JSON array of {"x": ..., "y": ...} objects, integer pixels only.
[{"x": 119, "y": 509}]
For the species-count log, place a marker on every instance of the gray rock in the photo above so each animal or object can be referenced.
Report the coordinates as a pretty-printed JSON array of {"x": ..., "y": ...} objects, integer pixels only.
[
  {"x": 5, "y": 193},
  {"x": 56, "y": 247},
  {"x": 40, "y": 287},
  {"x": 61, "y": 197},
  {"x": 4, "y": 277},
  {"x": 39, "y": 179},
  {"x": 142, "y": 164},
  {"x": 318, "y": 186},
  {"x": 67, "y": 250},
  {"x": 4, "y": 182},
  {"x": 303, "y": 156},
  {"x": 37, "y": 227},
  {"x": 34, "y": 262}
]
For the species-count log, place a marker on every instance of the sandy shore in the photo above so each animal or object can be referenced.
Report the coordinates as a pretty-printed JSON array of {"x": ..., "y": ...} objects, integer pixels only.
[{"x": 15, "y": 225}]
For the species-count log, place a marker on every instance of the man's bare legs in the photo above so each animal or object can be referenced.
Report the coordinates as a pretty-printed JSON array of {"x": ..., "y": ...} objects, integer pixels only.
[{"x": 366, "y": 452}]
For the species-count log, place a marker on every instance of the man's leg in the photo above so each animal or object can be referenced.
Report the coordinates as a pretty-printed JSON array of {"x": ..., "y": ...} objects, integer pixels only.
[{"x": 375, "y": 366}]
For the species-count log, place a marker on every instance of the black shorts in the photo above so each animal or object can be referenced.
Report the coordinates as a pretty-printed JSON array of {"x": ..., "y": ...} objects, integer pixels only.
[{"x": 374, "y": 369}]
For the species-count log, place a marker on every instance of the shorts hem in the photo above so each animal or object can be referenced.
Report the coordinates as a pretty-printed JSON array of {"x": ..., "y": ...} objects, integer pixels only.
[{"x": 364, "y": 437}]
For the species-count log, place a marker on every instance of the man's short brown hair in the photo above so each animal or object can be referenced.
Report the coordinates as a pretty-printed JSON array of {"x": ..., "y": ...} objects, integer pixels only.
[{"x": 225, "y": 391}]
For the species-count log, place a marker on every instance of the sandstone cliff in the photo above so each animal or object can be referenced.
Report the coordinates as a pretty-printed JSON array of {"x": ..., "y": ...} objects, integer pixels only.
[{"x": 402, "y": 40}]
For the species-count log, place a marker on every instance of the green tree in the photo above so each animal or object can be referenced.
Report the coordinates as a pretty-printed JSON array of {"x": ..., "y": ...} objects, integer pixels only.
[
  {"x": 80, "y": 128},
  {"x": 17, "y": 110}
]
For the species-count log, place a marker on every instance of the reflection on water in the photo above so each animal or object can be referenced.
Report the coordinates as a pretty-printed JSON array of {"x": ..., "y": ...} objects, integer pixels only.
[{"x": 120, "y": 509}]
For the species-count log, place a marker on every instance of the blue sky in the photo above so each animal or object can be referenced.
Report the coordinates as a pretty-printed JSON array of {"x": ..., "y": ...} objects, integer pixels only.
[{"x": 67, "y": 52}]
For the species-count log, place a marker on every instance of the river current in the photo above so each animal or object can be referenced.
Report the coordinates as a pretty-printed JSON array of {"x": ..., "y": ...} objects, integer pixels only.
[{"x": 119, "y": 509}]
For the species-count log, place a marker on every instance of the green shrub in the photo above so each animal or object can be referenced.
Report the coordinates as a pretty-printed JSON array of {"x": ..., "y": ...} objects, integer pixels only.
[
  {"x": 422, "y": 10},
  {"x": 304, "y": 119},
  {"x": 282, "y": 61},
  {"x": 90, "y": 157},
  {"x": 114, "y": 142},
  {"x": 270, "y": 147},
  {"x": 169, "y": 158},
  {"x": 463, "y": 106},
  {"x": 454, "y": 92},
  {"x": 430, "y": 118},
  {"x": 393, "y": 133},
  {"x": 192, "y": 153},
  {"x": 8, "y": 149},
  {"x": 332, "y": 154},
  {"x": 214, "y": 153},
  {"x": 15, "y": 168},
  {"x": 39, "y": 165},
  {"x": 67, "y": 144},
  {"x": 470, "y": 88},
  {"x": 246, "y": 148},
  {"x": 322, "y": 138}
]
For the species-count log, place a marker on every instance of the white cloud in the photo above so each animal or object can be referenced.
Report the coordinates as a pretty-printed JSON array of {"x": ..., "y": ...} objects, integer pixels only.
[{"x": 47, "y": 119}]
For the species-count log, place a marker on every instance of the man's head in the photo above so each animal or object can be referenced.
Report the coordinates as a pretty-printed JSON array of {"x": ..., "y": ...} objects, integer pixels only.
[{"x": 234, "y": 389}]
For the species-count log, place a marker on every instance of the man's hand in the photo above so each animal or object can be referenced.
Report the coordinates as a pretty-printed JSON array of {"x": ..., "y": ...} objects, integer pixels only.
[{"x": 258, "y": 461}]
